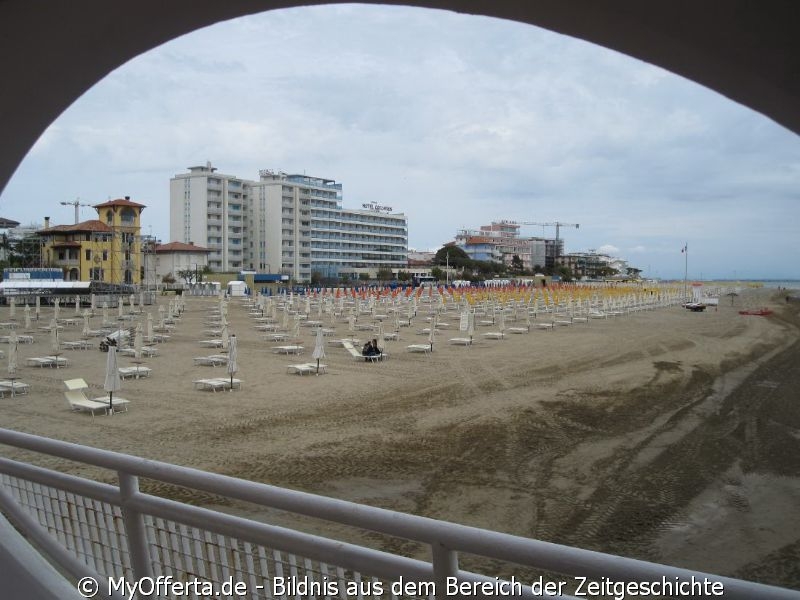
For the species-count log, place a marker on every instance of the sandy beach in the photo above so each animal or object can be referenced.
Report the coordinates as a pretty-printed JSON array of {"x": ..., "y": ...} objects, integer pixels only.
[{"x": 665, "y": 435}]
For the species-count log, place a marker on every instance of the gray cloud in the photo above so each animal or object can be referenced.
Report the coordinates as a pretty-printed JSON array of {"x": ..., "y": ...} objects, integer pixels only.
[{"x": 453, "y": 119}]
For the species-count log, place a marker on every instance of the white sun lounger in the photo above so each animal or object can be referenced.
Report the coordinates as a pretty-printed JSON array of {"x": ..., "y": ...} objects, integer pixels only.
[
  {"x": 15, "y": 388},
  {"x": 216, "y": 384},
  {"x": 136, "y": 372},
  {"x": 426, "y": 348},
  {"x": 47, "y": 361},
  {"x": 215, "y": 360},
  {"x": 494, "y": 335},
  {"x": 306, "y": 368},
  {"x": 518, "y": 330},
  {"x": 211, "y": 343},
  {"x": 76, "y": 344},
  {"x": 288, "y": 349},
  {"x": 78, "y": 401},
  {"x": 146, "y": 351},
  {"x": 461, "y": 341}
]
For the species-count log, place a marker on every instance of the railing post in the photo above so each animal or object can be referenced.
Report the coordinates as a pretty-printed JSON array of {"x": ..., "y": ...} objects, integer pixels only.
[
  {"x": 445, "y": 564},
  {"x": 134, "y": 527}
]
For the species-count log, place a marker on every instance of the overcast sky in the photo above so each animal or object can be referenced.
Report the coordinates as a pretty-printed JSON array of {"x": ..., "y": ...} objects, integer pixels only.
[{"x": 454, "y": 120}]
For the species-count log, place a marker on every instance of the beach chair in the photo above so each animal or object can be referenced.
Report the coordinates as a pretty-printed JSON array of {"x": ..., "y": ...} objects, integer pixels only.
[
  {"x": 136, "y": 372},
  {"x": 78, "y": 403},
  {"x": 215, "y": 360},
  {"x": 494, "y": 335},
  {"x": 306, "y": 368},
  {"x": 80, "y": 388},
  {"x": 355, "y": 354},
  {"x": 15, "y": 388},
  {"x": 426, "y": 348},
  {"x": 461, "y": 341}
]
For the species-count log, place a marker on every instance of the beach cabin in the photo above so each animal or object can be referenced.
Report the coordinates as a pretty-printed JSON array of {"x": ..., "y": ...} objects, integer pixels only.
[{"x": 237, "y": 288}]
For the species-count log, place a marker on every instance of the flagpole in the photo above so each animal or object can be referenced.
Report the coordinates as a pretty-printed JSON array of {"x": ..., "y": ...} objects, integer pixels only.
[{"x": 686, "y": 272}]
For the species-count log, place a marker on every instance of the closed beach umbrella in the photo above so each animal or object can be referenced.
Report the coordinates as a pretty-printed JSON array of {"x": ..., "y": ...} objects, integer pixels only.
[
  {"x": 137, "y": 342},
  {"x": 38, "y": 307},
  {"x": 77, "y": 305},
  {"x": 13, "y": 342},
  {"x": 225, "y": 335},
  {"x": 120, "y": 303},
  {"x": 12, "y": 305},
  {"x": 54, "y": 344},
  {"x": 319, "y": 348},
  {"x": 149, "y": 330},
  {"x": 232, "y": 367},
  {"x": 55, "y": 309},
  {"x": 296, "y": 329},
  {"x": 432, "y": 332},
  {"x": 86, "y": 330},
  {"x": 112, "y": 383},
  {"x": 141, "y": 300},
  {"x": 105, "y": 312},
  {"x": 470, "y": 325},
  {"x": 92, "y": 302},
  {"x": 27, "y": 312}
]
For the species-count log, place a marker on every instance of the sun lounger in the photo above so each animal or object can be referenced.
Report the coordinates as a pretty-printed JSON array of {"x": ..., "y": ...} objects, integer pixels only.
[
  {"x": 518, "y": 330},
  {"x": 78, "y": 401},
  {"x": 562, "y": 322},
  {"x": 211, "y": 343},
  {"x": 461, "y": 341},
  {"x": 306, "y": 368},
  {"x": 135, "y": 372},
  {"x": 494, "y": 335},
  {"x": 277, "y": 337},
  {"x": 342, "y": 341},
  {"x": 15, "y": 388},
  {"x": 215, "y": 360},
  {"x": 354, "y": 353},
  {"x": 426, "y": 348},
  {"x": 287, "y": 349},
  {"x": 47, "y": 361},
  {"x": 76, "y": 344},
  {"x": 544, "y": 326},
  {"x": 217, "y": 383},
  {"x": 146, "y": 351}
]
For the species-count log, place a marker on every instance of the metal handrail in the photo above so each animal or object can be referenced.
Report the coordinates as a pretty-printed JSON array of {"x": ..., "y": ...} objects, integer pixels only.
[{"x": 446, "y": 539}]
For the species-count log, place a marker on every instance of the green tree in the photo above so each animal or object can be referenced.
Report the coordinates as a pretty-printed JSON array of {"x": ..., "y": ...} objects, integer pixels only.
[
  {"x": 363, "y": 276},
  {"x": 189, "y": 275},
  {"x": 403, "y": 276},
  {"x": 438, "y": 273},
  {"x": 452, "y": 255},
  {"x": 316, "y": 278},
  {"x": 517, "y": 266},
  {"x": 384, "y": 274}
]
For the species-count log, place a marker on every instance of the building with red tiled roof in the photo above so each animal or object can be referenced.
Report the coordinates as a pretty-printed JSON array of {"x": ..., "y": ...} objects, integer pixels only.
[
  {"x": 174, "y": 257},
  {"x": 107, "y": 249}
]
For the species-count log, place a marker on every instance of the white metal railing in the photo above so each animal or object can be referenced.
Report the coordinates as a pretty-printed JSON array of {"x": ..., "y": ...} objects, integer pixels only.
[{"x": 95, "y": 529}]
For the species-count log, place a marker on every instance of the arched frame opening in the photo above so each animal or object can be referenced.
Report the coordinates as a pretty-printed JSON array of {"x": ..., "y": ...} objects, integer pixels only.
[{"x": 748, "y": 53}]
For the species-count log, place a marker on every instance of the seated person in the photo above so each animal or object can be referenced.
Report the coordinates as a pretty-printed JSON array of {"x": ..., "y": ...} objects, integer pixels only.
[
  {"x": 375, "y": 351},
  {"x": 367, "y": 349}
]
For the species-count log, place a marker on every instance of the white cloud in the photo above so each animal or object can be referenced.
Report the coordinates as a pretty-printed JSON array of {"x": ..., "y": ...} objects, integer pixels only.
[{"x": 453, "y": 119}]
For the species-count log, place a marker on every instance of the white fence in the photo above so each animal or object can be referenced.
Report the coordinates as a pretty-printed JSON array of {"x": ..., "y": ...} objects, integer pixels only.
[{"x": 103, "y": 531}]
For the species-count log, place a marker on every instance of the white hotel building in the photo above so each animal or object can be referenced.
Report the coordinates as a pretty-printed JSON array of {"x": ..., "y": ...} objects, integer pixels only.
[{"x": 282, "y": 223}]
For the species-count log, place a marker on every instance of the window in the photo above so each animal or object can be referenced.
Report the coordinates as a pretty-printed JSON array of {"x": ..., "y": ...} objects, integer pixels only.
[
  {"x": 105, "y": 254},
  {"x": 88, "y": 255}
]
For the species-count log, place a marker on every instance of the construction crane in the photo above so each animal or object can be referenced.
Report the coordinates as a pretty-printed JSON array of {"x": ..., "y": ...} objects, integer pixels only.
[
  {"x": 77, "y": 204},
  {"x": 558, "y": 225}
]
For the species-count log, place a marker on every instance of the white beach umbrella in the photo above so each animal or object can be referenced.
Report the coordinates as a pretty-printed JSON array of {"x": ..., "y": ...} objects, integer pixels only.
[
  {"x": 141, "y": 300},
  {"x": 105, "y": 312},
  {"x": 92, "y": 302},
  {"x": 86, "y": 330},
  {"x": 381, "y": 339},
  {"x": 113, "y": 383},
  {"x": 137, "y": 342},
  {"x": 319, "y": 348},
  {"x": 432, "y": 332},
  {"x": 54, "y": 343},
  {"x": 27, "y": 313},
  {"x": 296, "y": 328},
  {"x": 131, "y": 300},
  {"x": 13, "y": 342},
  {"x": 38, "y": 307},
  {"x": 501, "y": 321},
  {"x": 232, "y": 367},
  {"x": 120, "y": 305},
  {"x": 56, "y": 304},
  {"x": 149, "y": 330},
  {"x": 471, "y": 325},
  {"x": 12, "y": 307},
  {"x": 225, "y": 335},
  {"x": 77, "y": 305}
]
